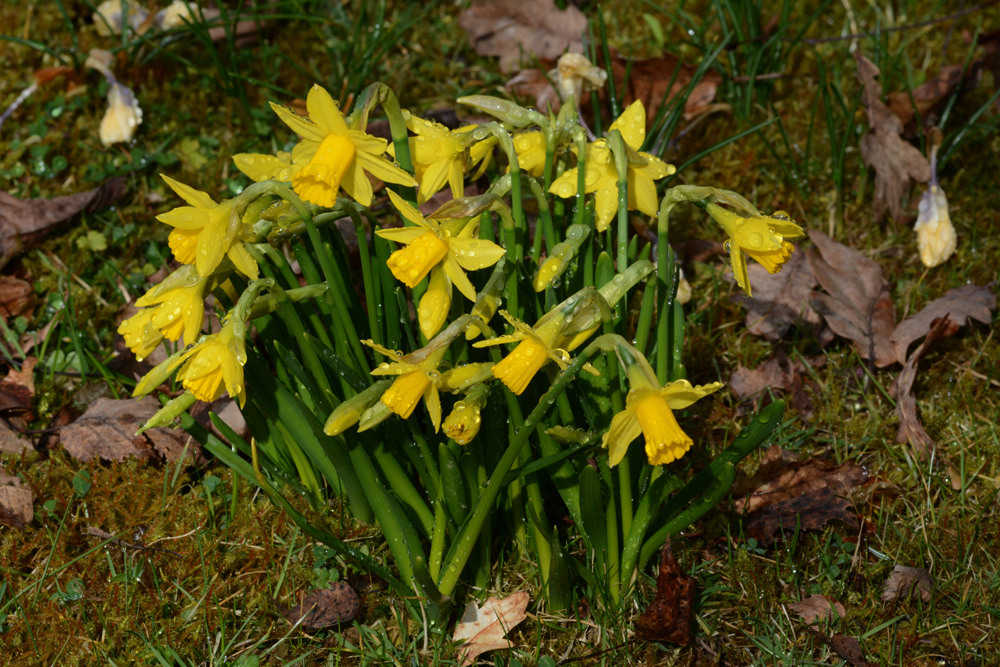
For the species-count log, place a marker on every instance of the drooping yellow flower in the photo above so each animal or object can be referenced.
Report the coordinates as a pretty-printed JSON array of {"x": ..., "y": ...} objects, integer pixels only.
[
  {"x": 216, "y": 363},
  {"x": 760, "y": 236},
  {"x": 418, "y": 378},
  {"x": 444, "y": 156},
  {"x": 330, "y": 157},
  {"x": 140, "y": 334},
  {"x": 179, "y": 304},
  {"x": 462, "y": 425},
  {"x": 444, "y": 250},
  {"x": 649, "y": 412},
  {"x": 205, "y": 232},
  {"x": 530, "y": 149},
  {"x": 601, "y": 176}
]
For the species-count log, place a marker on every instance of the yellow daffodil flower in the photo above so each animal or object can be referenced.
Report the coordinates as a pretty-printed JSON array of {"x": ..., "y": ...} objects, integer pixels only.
[
  {"x": 462, "y": 425},
  {"x": 205, "y": 232},
  {"x": 216, "y": 362},
  {"x": 649, "y": 412},
  {"x": 601, "y": 176},
  {"x": 445, "y": 251},
  {"x": 444, "y": 156},
  {"x": 759, "y": 236},
  {"x": 140, "y": 334},
  {"x": 330, "y": 157},
  {"x": 418, "y": 378},
  {"x": 530, "y": 149},
  {"x": 180, "y": 304}
]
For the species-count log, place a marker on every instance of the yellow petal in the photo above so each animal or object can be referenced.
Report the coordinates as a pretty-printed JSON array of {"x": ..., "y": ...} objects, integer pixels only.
[
  {"x": 433, "y": 179},
  {"x": 300, "y": 126},
  {"x": 242, "y": 260},
  {"x": 261, "y": 167},
  {"x": 642, "y": 193},
  {"x": 186, "y": 217},
  {"x": 434, "y": 304},
  {"x": 356, "y": 184},
  {"x": 473, "y": 254},
  {"x": 405, "y": 392},
  {"x": 196, "y": 198},
  {"x": 565, "y": 185},
  {"x": 324, "y": 111},
  {"x": 623, "y": 430},
  {"x": 401, "y": 234},
  {"x": 454, "y": 271},
  {"x": 773, "y": 260},
  {"x": 632, "y": 125},
  {"x": 606, "y": 206},
  {"x": 433, "y": 401},
  {"x": 384, "y": 170},
  {"x": 681, "y": 393},
  {"x": 410, "y": 213},
  {"x": 739, "y": 264},
  {"x": 215, "y": 239}
]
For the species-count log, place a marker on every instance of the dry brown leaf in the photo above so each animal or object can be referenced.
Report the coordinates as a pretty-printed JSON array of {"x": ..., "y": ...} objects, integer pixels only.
[
  {"x": 512, "y": 29},
  {"x": 958, "y": 305},
  {"x": 910, "y": 428},
  {"x": 818, "y": 608},
  {"x": 107, "y": 431},
  {"x": 925, "y": 96},
  {"x": 485, "y": 629},
  {"x": 337, "y": 603},
  {"x": 653, "y": 81},
  {"x": 895, "y": 161},
  {"x": 904, "y": 582},
  {"x": 778, "y": 372},
  {"x": 782, "y": 477},
  {"x": 17, "y": 297},
  {"x": 857, "y": 304},
  {"x": 848, "y": 648},
  {"x": 18, "y": 388},
  {"x": 668, "y": 617},
  {"x": 25, "y": 221},
  {"x": 811, "y": 511},
  {"x": 534, "y": 84},
  {"x": 15, "y": 502},
  {"x": 12, "y": 442},
  {"x": 781, "y": 300},
  {"x": 786, "y": 493}
]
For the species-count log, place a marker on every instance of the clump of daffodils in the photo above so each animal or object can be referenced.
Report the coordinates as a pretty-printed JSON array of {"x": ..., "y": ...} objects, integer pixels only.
[{"x": 223, "y": 246}]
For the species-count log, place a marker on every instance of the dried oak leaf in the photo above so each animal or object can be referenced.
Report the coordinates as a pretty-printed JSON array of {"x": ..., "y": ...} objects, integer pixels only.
[
  {"x": 778, "y": 372},
  {"x": 904, "y": 582},
  {"x": 485, "y": 629},
  {"x": 926, "y": 95},
  {"x": 781, "y": 300},
  {"x": 337, "y": 603},
  {"x": 782, "y": 477},
  {"x": 811, "y": 511},
  {"x": 12, "y": 442},
  {"x": 17, "y": 296},
  {"x": 18, "y": 388},
  {"x": 958, "y": 305},
  {"x": 848, "y": 648},
  {"x": 910, "y": 428},
  {"x": 857, "y": 304},
  {"x": 511, "y": 29},
  {"x": 668, "y": 617},
  {"x": 107, "y": 431},
  {"x": 818, "y": 608},
  {"x": 895, "y": 161},
  {"x": 658, "y": 80},
  {"x": 15, "y": 502},
  {"x": 24, "y": 221}
]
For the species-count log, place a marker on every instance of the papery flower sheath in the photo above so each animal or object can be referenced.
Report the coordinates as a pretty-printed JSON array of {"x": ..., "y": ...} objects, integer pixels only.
[
  {"x": 760, "y": 236},
  {"x": 205, "y": 232},
  {"x": 445, "y": 251},
  {"x": 601, "y": 177},
  {"x": 330, "y": 157}
]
